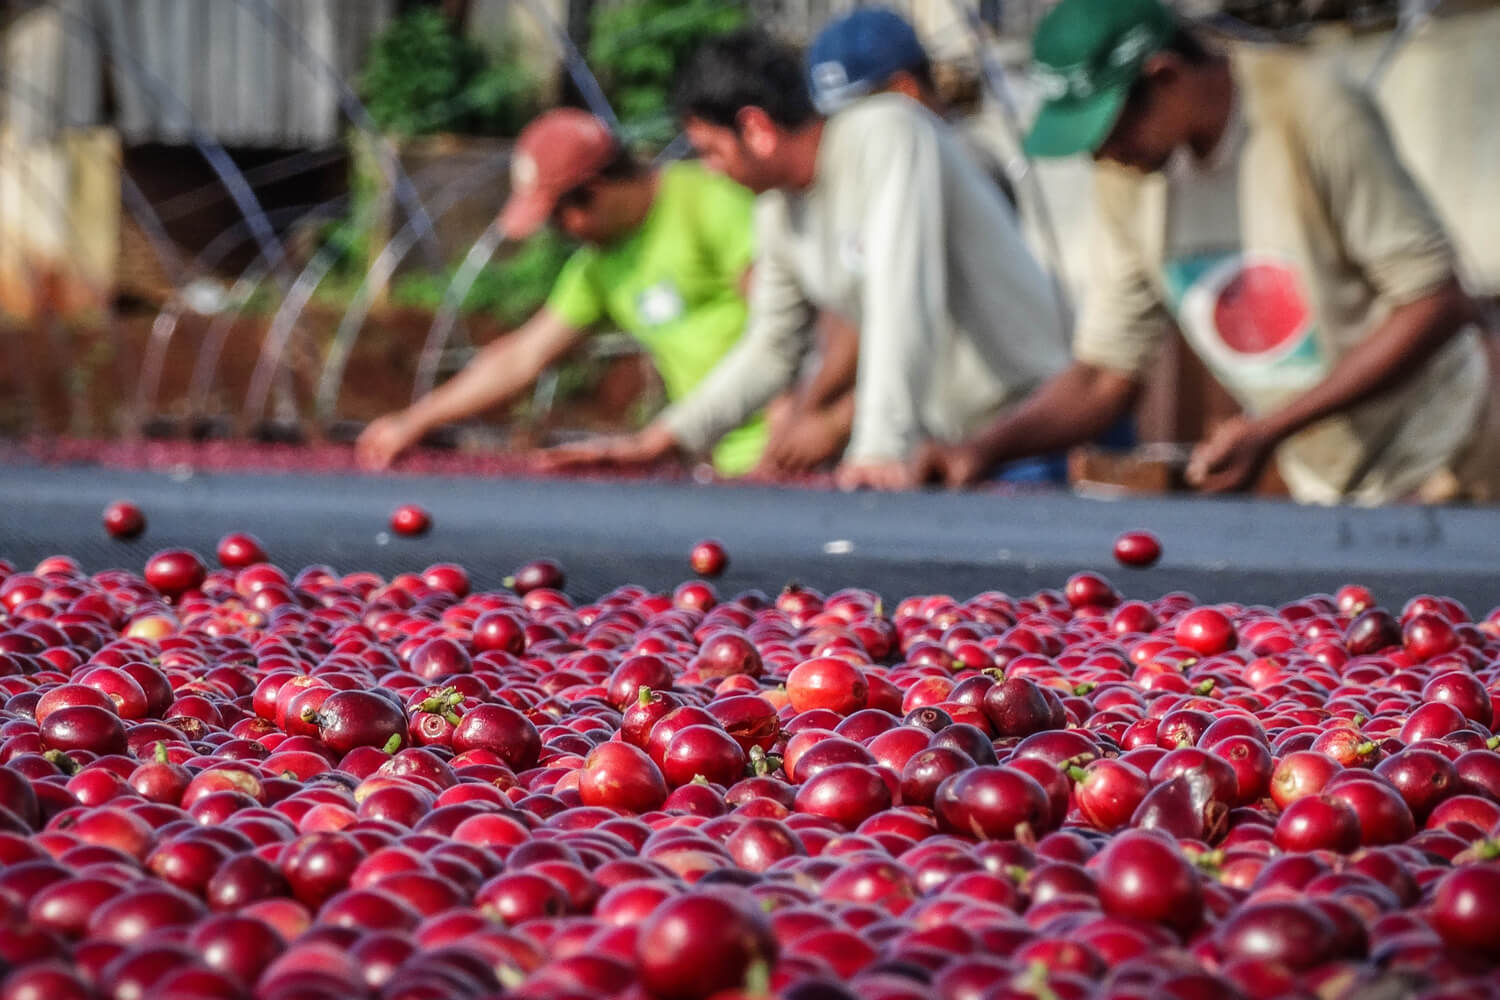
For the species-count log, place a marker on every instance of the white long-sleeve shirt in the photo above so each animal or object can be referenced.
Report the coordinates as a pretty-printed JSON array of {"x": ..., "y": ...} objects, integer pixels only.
[{"x": 902, "y": 234}]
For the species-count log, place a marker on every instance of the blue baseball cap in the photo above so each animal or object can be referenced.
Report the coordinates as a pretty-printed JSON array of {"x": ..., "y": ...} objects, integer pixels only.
[{"x": 856, "y": 54}]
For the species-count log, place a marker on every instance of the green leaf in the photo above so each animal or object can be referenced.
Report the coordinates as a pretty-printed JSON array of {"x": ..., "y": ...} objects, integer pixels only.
[
  {"x": 421, "y": 77},
  {"x": 637, "y": 47}
]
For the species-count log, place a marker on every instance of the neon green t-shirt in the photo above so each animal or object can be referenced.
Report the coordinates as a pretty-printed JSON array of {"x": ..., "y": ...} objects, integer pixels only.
[{"x": 674, "y": 285}]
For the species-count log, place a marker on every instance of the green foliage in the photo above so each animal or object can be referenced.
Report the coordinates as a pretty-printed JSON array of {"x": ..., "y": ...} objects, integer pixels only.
[
  {"x": 503, "y": 95},
  {"x": 348, "y": 237},
  {"x": 637, "y": 46},
  {"x": 421, "y": 77},
  {"x": 349, "y": 243},
  {"x": 510, "y": 289},
  {"x": 414, "y": 68}
]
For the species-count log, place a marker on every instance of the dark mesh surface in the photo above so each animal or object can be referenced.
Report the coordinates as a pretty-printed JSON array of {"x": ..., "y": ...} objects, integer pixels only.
[{"x": 610, "y": 532}]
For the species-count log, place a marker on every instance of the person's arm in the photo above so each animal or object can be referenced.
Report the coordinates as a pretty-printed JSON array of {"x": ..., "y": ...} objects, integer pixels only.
[
  {"x": 1075, "y": 406},
  {"x": 836, "y": 368},
  {"x": 499, "y": 371},
  {"x": 1119, "y": 329},
  {"x": 809, "y": 439},
  {"x": 1234, "y": 455},
  {"x": 812, "y": 427},
  {"x": 1388, "y": 228}
]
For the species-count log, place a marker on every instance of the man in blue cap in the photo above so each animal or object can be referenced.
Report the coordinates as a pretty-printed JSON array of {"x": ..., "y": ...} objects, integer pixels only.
[
  {"x": 864, "y": 52},
  {"x": 877, "y": 215},
  {"x": 1257, "y": 204},
  {"x": 874, "y": 50},
  {"x": 869, "y": 51}
]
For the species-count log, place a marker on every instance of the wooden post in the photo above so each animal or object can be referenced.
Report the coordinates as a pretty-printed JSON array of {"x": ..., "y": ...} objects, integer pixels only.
[{"x": 457, "y": 12}]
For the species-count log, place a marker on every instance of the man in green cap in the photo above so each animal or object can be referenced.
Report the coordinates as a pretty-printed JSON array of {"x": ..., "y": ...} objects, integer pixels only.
[{"x": 1258, "y": 204}]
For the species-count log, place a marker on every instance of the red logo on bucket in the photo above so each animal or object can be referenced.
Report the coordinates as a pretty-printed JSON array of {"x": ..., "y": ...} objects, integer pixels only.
[{"x": 1261, "y": 310}]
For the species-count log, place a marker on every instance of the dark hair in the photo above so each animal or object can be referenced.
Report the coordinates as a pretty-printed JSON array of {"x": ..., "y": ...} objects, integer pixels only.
[
  {"x": 744, "y": 69},
  {"x": 1185, "y": 45},
  {"x": 922, "y": 73},
  {"x": 623, "y": 166}
]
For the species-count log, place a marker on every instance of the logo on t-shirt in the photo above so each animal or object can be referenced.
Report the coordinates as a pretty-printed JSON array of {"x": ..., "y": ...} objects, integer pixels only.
[
  {"x": 1248, "y": 316},
  {"x": 659, "y": 304}
]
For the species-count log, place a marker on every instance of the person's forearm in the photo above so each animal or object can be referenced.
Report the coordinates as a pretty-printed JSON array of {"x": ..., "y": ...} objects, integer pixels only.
[
  {"x": 830, "y": 384},
  {"x": 1396, "y": 351},
  {"x": 743, "y": 382},
  {"x": 840, "y": 413},
  {"x": 488, "y": 380},
  {"x": 496, "y": 374},
  {"x": 1075, "y": 406},
  {"x": 762, "y": 363}
]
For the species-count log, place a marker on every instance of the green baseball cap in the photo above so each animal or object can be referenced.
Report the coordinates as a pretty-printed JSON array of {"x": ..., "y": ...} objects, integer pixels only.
[{"x": 1087, "y": 54}]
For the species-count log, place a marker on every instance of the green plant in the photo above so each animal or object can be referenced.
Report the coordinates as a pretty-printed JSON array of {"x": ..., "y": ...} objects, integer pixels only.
[
  {"x": 415, "y": 66},
  {"x": 637, "y": 47},
  {"x": 421, "y": 77},
  {"x": 503, "y": 96},
  {"x": 347, "y": 241}
]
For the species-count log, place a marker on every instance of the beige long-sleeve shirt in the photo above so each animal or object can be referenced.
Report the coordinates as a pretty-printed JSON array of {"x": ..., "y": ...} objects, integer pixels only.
[{"x": 906, "y": 237}]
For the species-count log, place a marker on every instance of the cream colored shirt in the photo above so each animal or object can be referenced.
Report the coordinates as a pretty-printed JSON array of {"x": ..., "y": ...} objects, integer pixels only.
[
  {"x": 902, "y": 234},
  {"x": 1276, "y": 258}
]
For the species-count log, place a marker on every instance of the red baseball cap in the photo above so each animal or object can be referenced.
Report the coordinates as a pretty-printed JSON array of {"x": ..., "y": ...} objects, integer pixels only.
[{"x": 555, "y": 153}]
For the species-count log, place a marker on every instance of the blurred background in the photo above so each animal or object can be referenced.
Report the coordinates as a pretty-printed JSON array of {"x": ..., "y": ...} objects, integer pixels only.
[{"x": 268, "y": 220}]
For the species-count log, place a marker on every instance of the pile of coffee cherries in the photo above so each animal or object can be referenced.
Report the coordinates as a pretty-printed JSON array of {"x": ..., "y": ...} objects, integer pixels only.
[{"x": 256, "y": 783}]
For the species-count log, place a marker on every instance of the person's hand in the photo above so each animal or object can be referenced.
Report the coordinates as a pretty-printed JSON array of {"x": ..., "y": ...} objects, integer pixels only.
[
  {"x": 385, "y": 438},
  {"x": 803, "y": 443},
  {"x": 1232, "y": 458},
  {"x": 642, "y": 448},
  {"x": 952, "y": 465},
  {"x": 884, "y": 475}
]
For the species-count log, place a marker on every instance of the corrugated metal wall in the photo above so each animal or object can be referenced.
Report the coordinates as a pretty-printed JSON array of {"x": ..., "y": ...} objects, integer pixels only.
[{"x": 224, "y": 67}]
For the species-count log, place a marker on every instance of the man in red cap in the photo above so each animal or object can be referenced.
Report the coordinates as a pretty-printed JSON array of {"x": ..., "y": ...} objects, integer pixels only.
[{"x": 665, "y": 255}]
